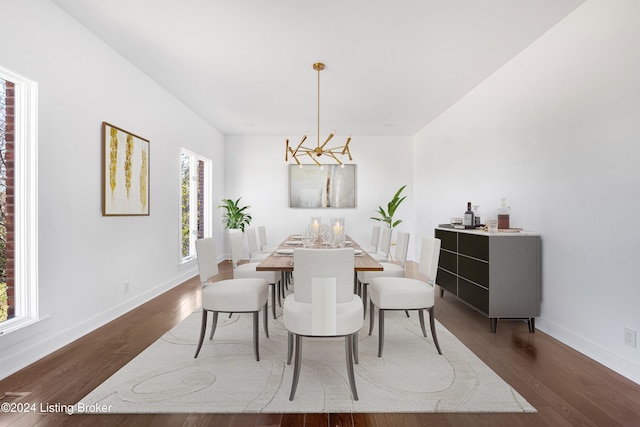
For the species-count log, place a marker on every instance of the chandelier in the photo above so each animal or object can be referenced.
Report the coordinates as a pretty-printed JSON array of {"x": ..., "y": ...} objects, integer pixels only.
[{"x": 336, "y": 153}]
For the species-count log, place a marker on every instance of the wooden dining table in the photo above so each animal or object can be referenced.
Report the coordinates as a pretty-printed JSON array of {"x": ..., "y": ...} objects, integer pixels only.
[{"x": 284, "y": 262}]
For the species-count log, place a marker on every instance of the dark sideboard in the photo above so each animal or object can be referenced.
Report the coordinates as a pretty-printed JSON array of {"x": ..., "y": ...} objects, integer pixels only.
[{"x": 498, "y": 274}]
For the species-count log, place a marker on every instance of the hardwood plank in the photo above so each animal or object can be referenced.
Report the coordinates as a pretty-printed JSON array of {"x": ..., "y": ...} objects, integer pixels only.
[{"x": 292, "y": 420}]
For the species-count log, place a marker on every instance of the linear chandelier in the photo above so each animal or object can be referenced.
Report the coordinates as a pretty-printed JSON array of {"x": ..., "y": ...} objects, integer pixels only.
[{"x": 336, "y": 153}]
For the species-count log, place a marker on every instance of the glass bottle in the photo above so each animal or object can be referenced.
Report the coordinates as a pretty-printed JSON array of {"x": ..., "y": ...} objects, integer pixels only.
[
  {"x": 503, "y": 215},
  {"x": 476, "y": 215},
  {"x": 468, "y": 216}
]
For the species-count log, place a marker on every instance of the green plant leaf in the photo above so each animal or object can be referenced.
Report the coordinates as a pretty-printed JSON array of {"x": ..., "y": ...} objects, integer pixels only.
[
  {"x": 392, "y": 206},
  {"x": 235, "y": 216}
]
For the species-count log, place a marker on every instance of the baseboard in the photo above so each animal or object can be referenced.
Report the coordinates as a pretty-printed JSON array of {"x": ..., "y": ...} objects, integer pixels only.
[
  {"x": 12, "y": 362},
  {"x": 617, "y": 363}
]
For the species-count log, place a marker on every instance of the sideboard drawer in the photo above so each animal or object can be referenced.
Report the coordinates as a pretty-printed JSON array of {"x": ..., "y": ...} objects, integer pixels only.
[
  {"x": 474, "y": 270},
  {"x": 448, "y": 240},
  {"x": 447, "y": 281},
  {"x": 474, "y": 295},
  {"x": 474, "y": 245},
  {"x": 448, "y": 261}
]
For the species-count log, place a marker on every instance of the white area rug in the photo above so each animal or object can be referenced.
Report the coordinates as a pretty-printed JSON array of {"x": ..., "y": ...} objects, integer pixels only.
[{"x": 225, "y": 378}]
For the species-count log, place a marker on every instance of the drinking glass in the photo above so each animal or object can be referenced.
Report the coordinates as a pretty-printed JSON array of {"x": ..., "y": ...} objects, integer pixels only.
[{"x": 306, "y": 238}]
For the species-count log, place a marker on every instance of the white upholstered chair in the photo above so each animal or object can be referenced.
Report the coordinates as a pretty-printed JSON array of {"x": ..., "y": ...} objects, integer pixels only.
[
  {"x": 390, "y": 269},
  {"x": 382, "y": 254},
  {"x": 403, "y": 293},
  {"x": 255, "y": 254},
  {"x": 249, "y": 269},
  {"x": 262, "y": 236},
  {"x": 228, "y": 296},
  {"x": 323, "y": 305},
  {"x": 285, "y": 278},
  {"x": 375, "y": 240}
]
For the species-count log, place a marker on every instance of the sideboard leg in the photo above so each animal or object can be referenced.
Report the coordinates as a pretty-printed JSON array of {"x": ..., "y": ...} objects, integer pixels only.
[
  {"x": 532, "y": 324},
  {"x": 494, "y": 324}
]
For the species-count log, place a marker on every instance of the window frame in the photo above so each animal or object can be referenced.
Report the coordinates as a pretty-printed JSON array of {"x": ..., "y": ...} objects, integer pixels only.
[
  {"x": 26, "y": 305},
  {"x": 207, "y": 211}
]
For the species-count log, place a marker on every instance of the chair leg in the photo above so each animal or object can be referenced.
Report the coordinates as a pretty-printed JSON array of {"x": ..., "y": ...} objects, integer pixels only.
[
  {"x": 364, "y": 299},
  {"x": 355, "y": 348},
  {"x": 407, "y": 313},
  {"x": 203, "y": 328},
  {"x": 432, "y": 320},
  {"x": 266, "y": 319},
  {"x": 279, "y": 294},
  {"x": 273, "y": 299},
  {"x": 289, "y": 347},
  {"x": 421, "y": 316},
  {"x": 214, "y": 323},
  {"x": 349, "y": 354},
  {"x": 296, "y": 367},
  {"x": 256, "y": 350},
  {"x": 372, "y": 317},
  {"x": 380, "y": 331}
]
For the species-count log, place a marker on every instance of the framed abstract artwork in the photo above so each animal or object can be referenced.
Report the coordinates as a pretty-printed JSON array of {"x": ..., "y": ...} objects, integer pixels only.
[
  {"x": 331, "y": 186},
  {"x": 125, "y": 172}
]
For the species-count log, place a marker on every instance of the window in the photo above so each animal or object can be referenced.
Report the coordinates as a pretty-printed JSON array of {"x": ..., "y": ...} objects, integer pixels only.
[
  {"x": 195, "y": 184},
  {"x": 18, "y": 210}
]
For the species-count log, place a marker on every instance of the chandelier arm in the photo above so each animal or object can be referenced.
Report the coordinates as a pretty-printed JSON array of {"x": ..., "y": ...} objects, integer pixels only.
[
  {"x": 330, "y": 153},
  {"x": 300, "y": 144},
  {"x": 328, "y": 139},
  {"x": 313, "y": 158},
  {"x": 346, "y": 150},
  {"x": 286, "y": 152},
  {"x": 296, "y": 159},
  {"x": 346, "y": 147}
]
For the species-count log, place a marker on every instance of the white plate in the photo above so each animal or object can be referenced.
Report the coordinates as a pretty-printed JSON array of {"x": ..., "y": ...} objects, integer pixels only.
[
  {"x": 297, "y": 237},
  {"x": 284, "y": 251},
  {"x": 358, "y": 251},
  {"x": 293, "y": 242}
]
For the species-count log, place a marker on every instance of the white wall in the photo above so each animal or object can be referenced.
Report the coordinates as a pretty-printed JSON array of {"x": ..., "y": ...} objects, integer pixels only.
[
  {"x": 255, "y": 171},
  {"x": 557, "y": 131},
  {"x": 84, "y": 258}
]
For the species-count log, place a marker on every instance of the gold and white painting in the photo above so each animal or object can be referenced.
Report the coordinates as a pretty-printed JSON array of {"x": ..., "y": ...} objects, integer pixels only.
[
  {"x": 125, "y": 172},
  {"x": 331, "y": 186}
]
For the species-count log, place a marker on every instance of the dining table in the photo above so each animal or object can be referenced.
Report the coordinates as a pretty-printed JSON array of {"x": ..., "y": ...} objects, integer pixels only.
[{"x": 281, "y": 259}]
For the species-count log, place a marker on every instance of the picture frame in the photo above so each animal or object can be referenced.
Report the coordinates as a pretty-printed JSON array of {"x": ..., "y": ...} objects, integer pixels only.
[
  {"x": 125, "y": 172},
  {"x": 332, "y": 186}
]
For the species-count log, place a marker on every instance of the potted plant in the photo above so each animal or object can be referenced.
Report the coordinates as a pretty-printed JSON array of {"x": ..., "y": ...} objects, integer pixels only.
[
  {"x": 387, "y": 216},
  {"x": 235, "y": 216}
]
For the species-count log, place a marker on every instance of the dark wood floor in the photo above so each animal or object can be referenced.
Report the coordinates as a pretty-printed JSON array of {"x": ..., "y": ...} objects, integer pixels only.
[{"x": 564, "y": 386}]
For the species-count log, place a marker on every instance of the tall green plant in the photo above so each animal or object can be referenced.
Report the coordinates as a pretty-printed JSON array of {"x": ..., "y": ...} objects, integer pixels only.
[
  {"x": 235, "y": 216},
  {"x": 387, "y": 216}
]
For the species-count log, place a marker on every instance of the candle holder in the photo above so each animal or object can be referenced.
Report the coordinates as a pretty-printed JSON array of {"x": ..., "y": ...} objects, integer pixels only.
[
  {"x": 314, "y": 227},
  {"x": 337, "y": 231}
]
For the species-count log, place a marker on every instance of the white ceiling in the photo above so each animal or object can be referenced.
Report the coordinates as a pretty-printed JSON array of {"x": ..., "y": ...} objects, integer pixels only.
[{"x": 246, "y": 65}]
